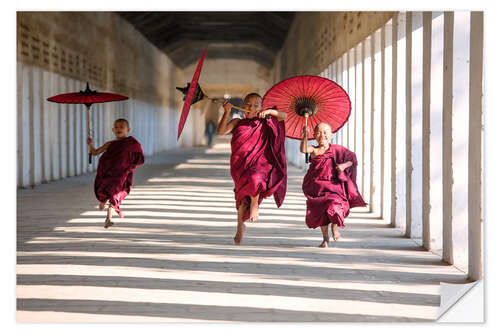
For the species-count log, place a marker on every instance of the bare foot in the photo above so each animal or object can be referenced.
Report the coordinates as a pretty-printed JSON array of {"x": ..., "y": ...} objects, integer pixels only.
[
  {"x": 254, "y": 209},
  {"x": 102, "y": 205},
  {"x": 336, "y": 232},
  {"x": 239, "y": 233},
  {"x": 107, "y": 223},
  {"x": 324, "y": 244}
]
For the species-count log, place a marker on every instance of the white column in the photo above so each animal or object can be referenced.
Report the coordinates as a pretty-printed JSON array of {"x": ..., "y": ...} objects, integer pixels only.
[
  {"x": 475, "y": 147},
  {"x": 408, "y": 166},
  {"x": 46, "y": 93},
  {"x": 376, "y": 123},
  {"x": 401, "y": 153},
  {"x": 371, "y": 122},
  {"x": 54, "y": 129},
  {"x": 367, "y": 83},
  {"x": 71, "y": 132},
  {"x": 436, "y": 137},
  {"x": 36, "y": 124},
  {"x": 24, "y": 140},
  {"x": 79, "y": 136},
  {"x": 387, "y": 129},
  {"x": 345, "y": 85},
  {"x": 62, "y": 125},
  {"x": 358, "y": 143},
  {"x": 426, "y": 104},
  {"x": 447, "y": 141},
  {"x": 460, "y": 137},
  {"x": 416, "y": 127},
  {"x": 84, "y": 147},
  {"x": 394, "y": 110},
  {"x": 352, "y": 94},
  {"x": 340, "y": 76},
  {"x": 333, "y": 77}
]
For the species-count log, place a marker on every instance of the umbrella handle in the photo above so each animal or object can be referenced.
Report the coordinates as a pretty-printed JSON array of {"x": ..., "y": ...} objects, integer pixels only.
[
  {"x": 88, "y": 131},
  {"x": 306, "y": 115},
  {"x": 215, "y": 100}
]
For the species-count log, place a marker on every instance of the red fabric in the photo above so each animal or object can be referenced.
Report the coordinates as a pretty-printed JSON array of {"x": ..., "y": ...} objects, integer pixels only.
[
  {"x": 331, "y": 103},
  {"x": 114, "y": 176},
  {"x": 190, "y": 95},
  {"x": 330, "y": 194},
  {"x": 81, "y": 98},
  {"x": 258, "y": 162}
]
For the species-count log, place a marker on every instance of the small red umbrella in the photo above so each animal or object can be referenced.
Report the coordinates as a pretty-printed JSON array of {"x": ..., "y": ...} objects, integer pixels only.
[
  {"x": 87, "y": 97},
  {"x": 193, "y": 93},
  {"x": 308, "y": 96}
]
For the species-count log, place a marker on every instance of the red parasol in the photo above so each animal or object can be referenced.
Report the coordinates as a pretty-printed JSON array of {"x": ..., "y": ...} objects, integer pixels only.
[
  {"x": 87, "y": 97},
  {"x": 307, "y": 96},
  {"x": 193, "y": 93},
  {"x": 188, "y": 99}
]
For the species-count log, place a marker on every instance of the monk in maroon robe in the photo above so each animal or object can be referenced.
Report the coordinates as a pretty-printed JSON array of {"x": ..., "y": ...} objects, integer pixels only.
[
  {"x": 329, "y": 184},
  {"x": 258, "y": 163},
  {"x": 114, "y": 177}
]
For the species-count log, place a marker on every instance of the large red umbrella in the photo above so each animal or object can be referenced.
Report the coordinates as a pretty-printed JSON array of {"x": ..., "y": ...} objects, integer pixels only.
[
  {"x": 193, "y": 93},
  {"x": 309, "y": 97},
  {"x": 87, "y": 97}
]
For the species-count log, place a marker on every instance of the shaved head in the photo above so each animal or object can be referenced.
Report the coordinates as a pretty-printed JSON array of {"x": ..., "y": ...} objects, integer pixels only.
[{"x": 322, "y": 125}]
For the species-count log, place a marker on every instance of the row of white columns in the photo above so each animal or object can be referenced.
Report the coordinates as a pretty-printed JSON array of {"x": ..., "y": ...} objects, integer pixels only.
[
  {"x": 51, "y": 137},
  {"x": 416, "y": 127}
]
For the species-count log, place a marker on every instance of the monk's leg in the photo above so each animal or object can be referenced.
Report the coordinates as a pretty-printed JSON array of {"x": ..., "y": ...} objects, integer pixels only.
[
  {"x": 102, "y": 205},
  {"x": 107, "y": 222},
  {"x": 240, "y": 229},
  {"x": 254, "y": 208},
  {"x": 324, "y": 231},
  {"x": 335, "y": 231}
]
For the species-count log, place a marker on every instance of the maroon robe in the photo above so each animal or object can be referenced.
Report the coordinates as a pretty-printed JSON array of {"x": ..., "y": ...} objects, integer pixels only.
[
  {"x": 114, "y": 176},
  {"x": 330, "y": 194},
  {"x": 258, "y": 162}
]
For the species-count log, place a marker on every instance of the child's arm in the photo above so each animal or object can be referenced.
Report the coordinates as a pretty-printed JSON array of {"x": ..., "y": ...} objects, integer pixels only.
[
  {"x": 343, "y": 166},
  {"x": 304, "y": 148},
  {"x": 275, "y": 113},
  {"x": 225, "y": 127},
  {"x": 101, "y": 149}
]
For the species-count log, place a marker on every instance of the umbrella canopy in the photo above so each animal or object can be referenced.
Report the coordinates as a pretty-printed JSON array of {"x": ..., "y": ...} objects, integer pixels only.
[
  {"x": 191, "y": 92},
  {"x": 87, "y": 97},
  {"x": 321, "y": 99}
]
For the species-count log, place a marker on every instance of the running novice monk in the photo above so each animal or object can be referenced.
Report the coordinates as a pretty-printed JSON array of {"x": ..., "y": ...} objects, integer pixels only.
[
  {"x": 258, "y": 163},
  {"x": 113, "y": 180},
  {"x": 330, "y": 183}
]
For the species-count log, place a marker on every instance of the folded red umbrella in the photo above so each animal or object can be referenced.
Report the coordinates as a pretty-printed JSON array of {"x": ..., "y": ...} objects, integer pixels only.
[
  {"x": 189, "y": 94},
  {"x": 87, "y": 97}
]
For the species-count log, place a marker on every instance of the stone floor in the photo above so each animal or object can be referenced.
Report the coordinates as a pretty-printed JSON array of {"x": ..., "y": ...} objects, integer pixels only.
[{"x": 172, "y": 257}]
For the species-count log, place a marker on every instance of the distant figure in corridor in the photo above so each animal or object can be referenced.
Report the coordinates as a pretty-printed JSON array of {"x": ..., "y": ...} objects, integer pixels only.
[
  {"x": 114, "y": 176},
  {"x": 209, "y": 132},
  {"x": 330, "y": 183},
  {"x": 258, "y": 163}
]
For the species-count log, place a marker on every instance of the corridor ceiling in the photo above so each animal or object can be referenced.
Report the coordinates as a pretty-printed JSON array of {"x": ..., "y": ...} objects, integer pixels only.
[{"x": 235, "y": 35}]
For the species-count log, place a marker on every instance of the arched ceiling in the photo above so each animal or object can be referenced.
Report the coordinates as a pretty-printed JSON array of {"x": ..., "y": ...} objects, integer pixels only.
[{"x": 236, "y": 35}]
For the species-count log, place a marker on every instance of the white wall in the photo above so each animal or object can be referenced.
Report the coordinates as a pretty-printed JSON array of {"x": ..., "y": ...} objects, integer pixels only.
[{"x": 51, "y": 141}]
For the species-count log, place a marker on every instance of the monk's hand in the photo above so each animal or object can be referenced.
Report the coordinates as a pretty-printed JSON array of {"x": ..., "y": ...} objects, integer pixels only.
[
  {"x": 89, "y": 141},
  {"x": 227, "y": 106},
  {"x": 263, "y": 114},
  {"x": 340, "y": 167}
]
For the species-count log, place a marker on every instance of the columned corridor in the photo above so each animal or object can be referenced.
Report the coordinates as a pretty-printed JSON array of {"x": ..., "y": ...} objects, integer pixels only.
[{"x": 172, "y": 258}]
